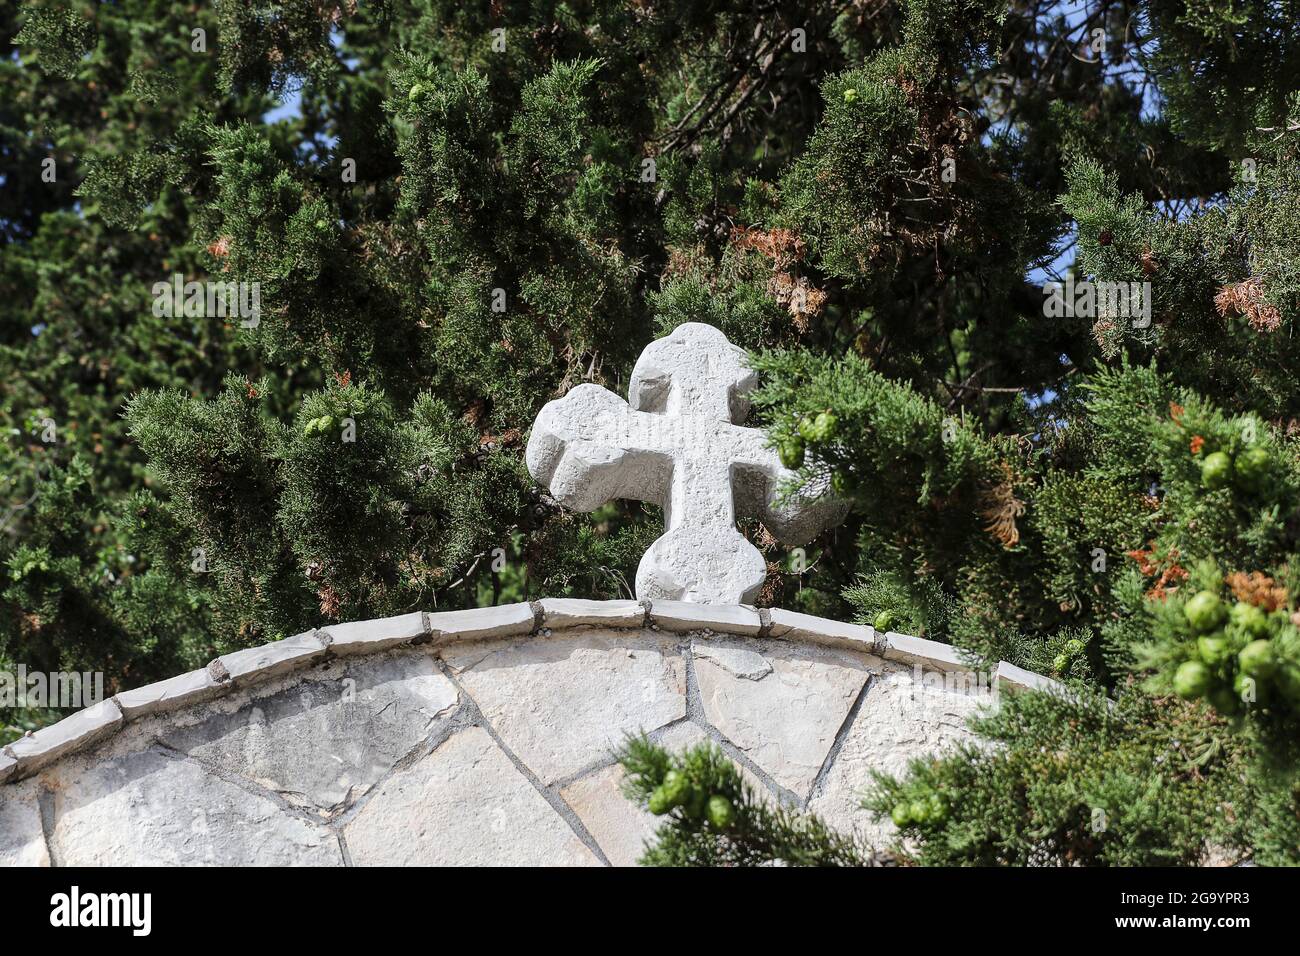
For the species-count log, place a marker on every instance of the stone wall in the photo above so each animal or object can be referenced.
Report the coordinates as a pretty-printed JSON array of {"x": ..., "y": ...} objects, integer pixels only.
[{"x": 477, "y": 737}]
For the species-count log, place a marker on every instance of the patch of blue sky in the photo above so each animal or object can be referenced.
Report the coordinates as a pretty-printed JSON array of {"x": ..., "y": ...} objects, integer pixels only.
[
  {"x": 288, "y": 109},
  {"x": 1062, "y": 259}
]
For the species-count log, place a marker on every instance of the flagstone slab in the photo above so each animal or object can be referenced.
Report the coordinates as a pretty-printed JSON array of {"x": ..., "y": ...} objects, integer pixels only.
[
  {"x": 147, "y": 808},
  {"x": 563, "y": 704},
  {"x": 327, "y": 740},
  {"x": 480, "y": 737},
  {"x": 689, "y": 616},
  {"x": 907, "y": 712},
  {"x": 919, "y": 650},
  {"x": 22, "y": 842},
  {"x": 736, "y": 660},
  {"x": 794, "y": 626},
  {"x": 270, "y": 660},
  {"x": 465, "y": 804},
  {"x": 81, "y": 730},
  {"x": 618, "y": 825},
  {"x": 481, "y": 623},
  {"x": 175, "y": 692},
  {"x": 369, "y": 637},
  {"x": 1011, "y": 677},
  {"x": 574, "y": 612},
  {"x": 784, "y": 719}
]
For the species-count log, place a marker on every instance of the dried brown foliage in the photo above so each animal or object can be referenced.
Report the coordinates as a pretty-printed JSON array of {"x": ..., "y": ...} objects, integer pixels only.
[
  {"x": 1000, "y": 508},
  {"x": 1170, "y": 572},
  {"x": 1247, "y": 298},
  {"x": 785, "y": 249},
  {"x": 782, "y": 246},
  {"x": 1258, "y": 589},
  {"x": 329, "y": 602}
]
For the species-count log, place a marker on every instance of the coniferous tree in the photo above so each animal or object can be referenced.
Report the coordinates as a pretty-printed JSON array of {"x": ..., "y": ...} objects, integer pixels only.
[{"x": 473, "y": 208}]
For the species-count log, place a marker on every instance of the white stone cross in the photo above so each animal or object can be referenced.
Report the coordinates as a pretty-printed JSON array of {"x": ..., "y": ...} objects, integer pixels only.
[{"x": 676, "y": 444}]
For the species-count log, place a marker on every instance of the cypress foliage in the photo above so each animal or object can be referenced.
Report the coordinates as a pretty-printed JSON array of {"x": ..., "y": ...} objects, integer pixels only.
[{"x": 474, "y": 207}]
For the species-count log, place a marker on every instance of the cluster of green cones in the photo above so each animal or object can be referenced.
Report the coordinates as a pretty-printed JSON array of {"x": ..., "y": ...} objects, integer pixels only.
[{"x": 1242, "y": 656}]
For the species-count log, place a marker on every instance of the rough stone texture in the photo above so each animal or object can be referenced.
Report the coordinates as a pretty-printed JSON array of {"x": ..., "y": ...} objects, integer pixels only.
[
  {"x": 686, "y": 616},
  {"x": 8, "y": 766},
  {"x": 787, "y": 719},
  {"x": 323, "y": 743},
  {"x": 909, "y": 649},
  {"x": 907, "y": 712},
  {"x": 563, "y": 704},
  {"x": 170, "y": 694},
  {"x": 678, "y": 443},
  {"x": 572, "y": 612},
  {"x": 504, "y": 620},
  {"x": 151, "y": 809},
  {"x": 369, "y": 637},
  {"x": 735, "y": 660},
  {"x": 465, "y": 803},
  {"x": 48, "y": 744},
  {"x": 1011, "y": 677},
  {"x": 793, "y": 626},
  {"x": 272, "y": 660},
  {"x": 419, "y": 751},
  {"x": 22, "y": 842},
  {"x": 619, "y": 826}
]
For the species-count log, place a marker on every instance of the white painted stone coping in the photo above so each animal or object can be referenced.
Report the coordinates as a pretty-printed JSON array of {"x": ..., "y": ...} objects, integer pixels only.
[
  {"x": 242, "y": 668},
  {"x": 1017, "y": 678},
  {"x": 85, "y": 727}
]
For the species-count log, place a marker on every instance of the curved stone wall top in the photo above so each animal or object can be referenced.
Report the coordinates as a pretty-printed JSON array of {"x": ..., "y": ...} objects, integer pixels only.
[
  {"x": 480, "y": 737},
  {"x": 244, "y": 668}
]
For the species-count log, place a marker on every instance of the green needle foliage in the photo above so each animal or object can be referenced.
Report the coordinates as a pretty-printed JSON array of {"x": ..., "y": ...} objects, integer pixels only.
[
  {"x": 713, "y": 818},
  {"x": 1075, "y": 781},
  {"x": 454, "y": 213}
]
